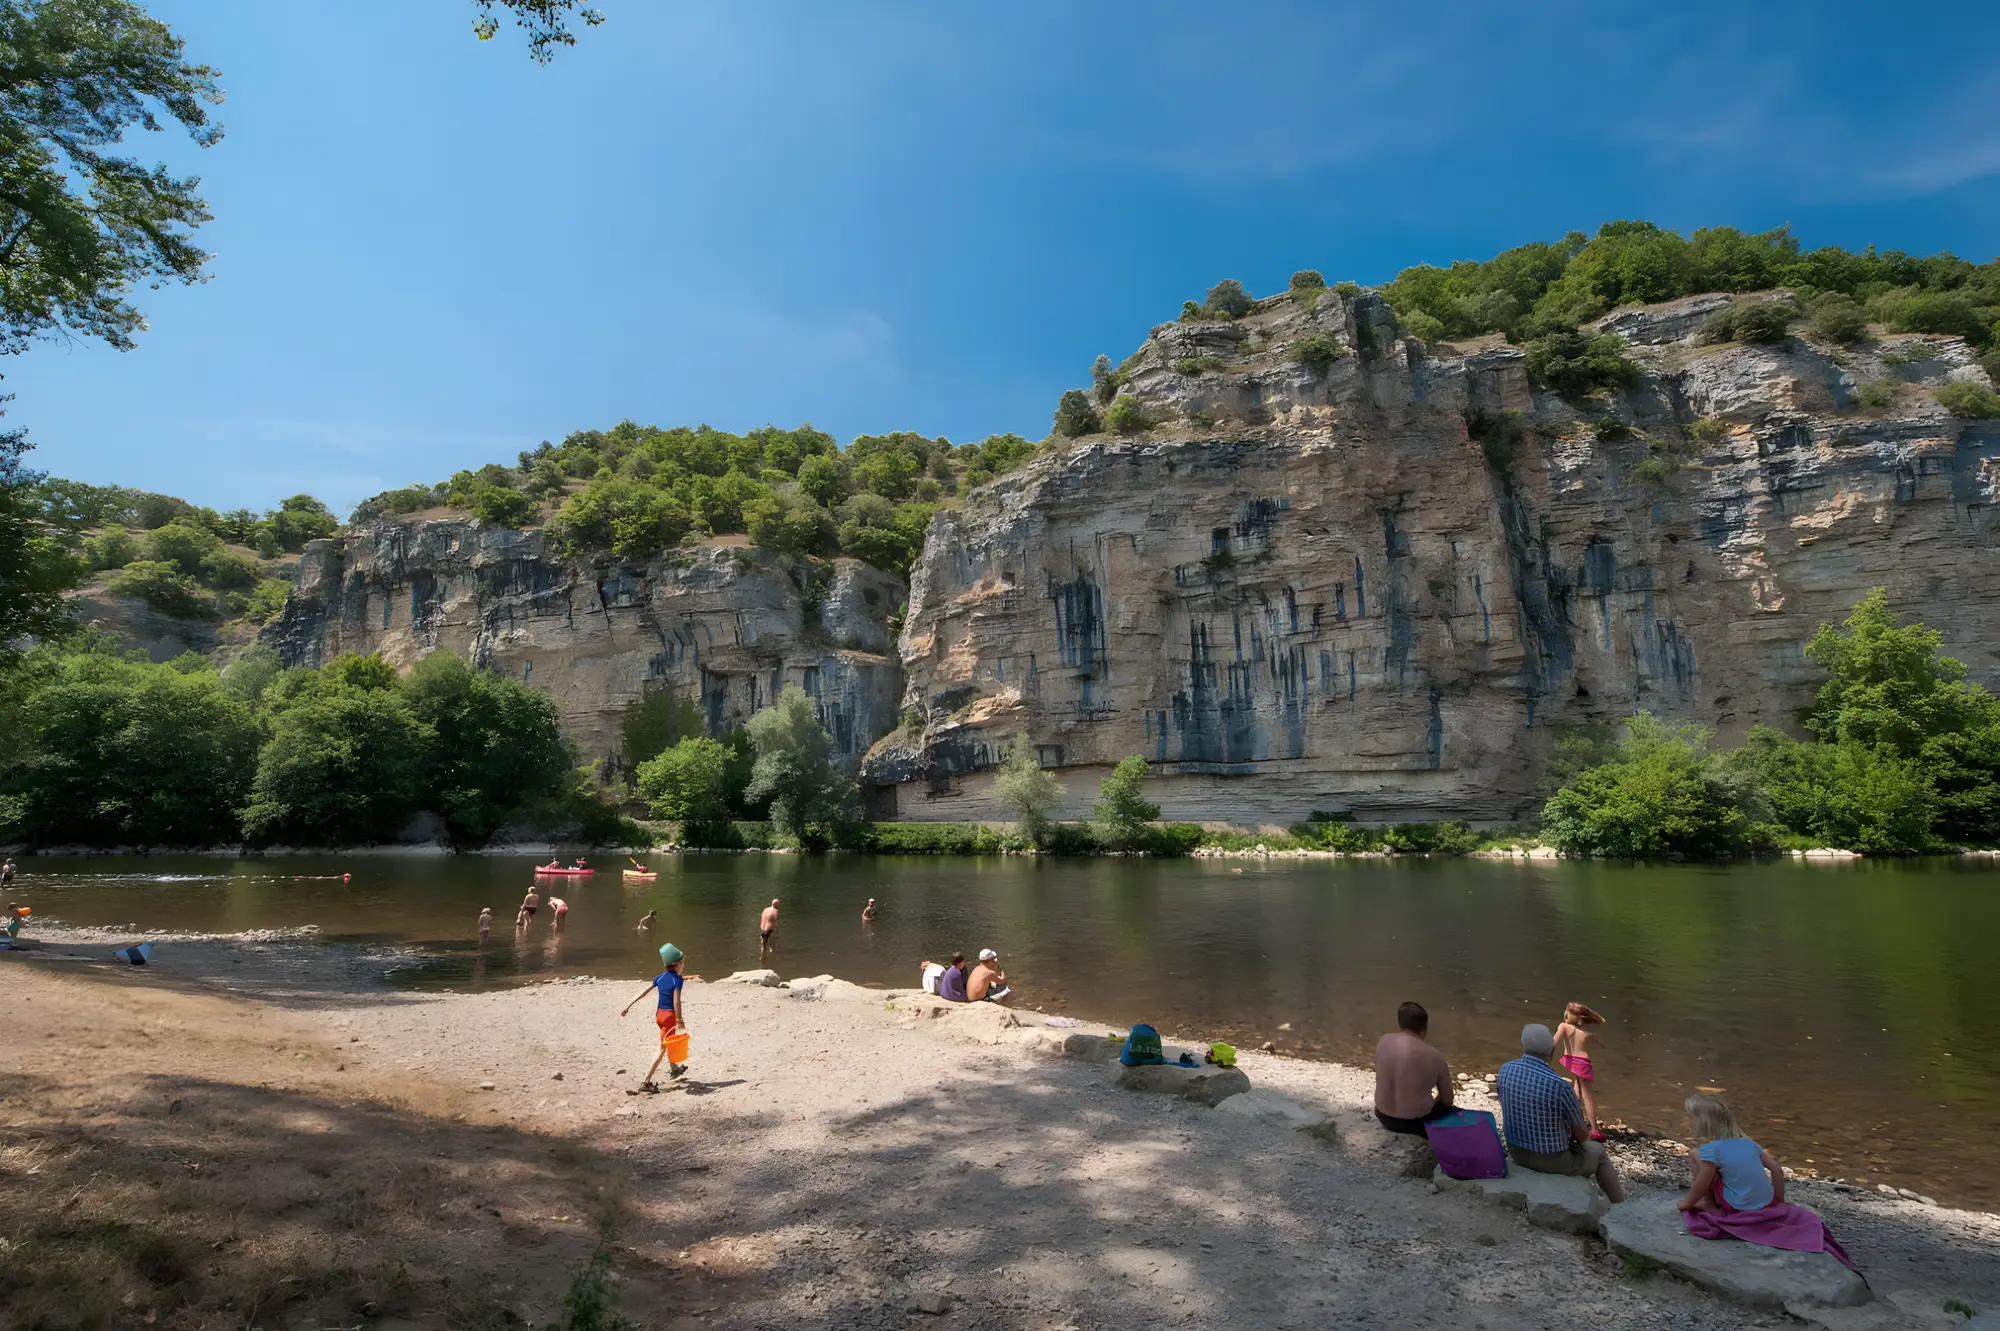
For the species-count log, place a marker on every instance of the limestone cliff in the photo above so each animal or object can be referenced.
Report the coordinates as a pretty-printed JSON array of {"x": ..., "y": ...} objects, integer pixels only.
[
  {"x": 721, "y": 629},
  {"x": 1382, "y": 586}
]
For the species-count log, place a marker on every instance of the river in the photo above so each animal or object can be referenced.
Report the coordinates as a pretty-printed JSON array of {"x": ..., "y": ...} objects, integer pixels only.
[{"x": 1848, "y": 1011}]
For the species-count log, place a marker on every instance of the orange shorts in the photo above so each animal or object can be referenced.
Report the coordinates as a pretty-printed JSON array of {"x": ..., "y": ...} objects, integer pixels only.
[{"x": 669, "y": 1023}]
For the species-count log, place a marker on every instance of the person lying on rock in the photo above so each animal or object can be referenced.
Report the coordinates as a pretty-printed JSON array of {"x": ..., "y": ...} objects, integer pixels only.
[
  {"x": 1545, "y": 1128},
  {"x": 987, "y": 983},
  {"x": 1412, "y": 1079}
]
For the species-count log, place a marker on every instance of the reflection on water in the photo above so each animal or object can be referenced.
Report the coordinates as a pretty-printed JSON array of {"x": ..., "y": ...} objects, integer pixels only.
[{"x": 1846, "y": 1010}]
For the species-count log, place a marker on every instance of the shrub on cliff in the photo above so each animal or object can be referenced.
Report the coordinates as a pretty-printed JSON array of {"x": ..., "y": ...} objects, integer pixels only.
[
  {"x": 1127, "y": 416},
  {"x": 1575, "y": 364},
  {"x": 1913, "y": 310},
  {"x": 503, "y": 507},
  {"x": 111, "y": 548},
  {"x": 1306, "y": 279},
  {"x": 1834, "y": 317},
  {"x": 789, "y": 526},
  {"x": 1973, "y": 401},
  {"x": 1228, "y": 299},
  {"x": 1075, "y": 417},
  {"x": 1120, "y": 819},
  {"x": 165, "y": 588},
  {"x": 1766, "y": 321},
  {"x": 1318, "y": 351}
]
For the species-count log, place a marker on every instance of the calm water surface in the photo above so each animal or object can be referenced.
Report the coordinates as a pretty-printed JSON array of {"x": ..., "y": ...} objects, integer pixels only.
[{"x": 1849, "y": 1012}]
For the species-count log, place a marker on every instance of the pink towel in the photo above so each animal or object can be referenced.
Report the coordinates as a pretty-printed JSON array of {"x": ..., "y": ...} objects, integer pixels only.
[{"x": 1779, "y": 1225}]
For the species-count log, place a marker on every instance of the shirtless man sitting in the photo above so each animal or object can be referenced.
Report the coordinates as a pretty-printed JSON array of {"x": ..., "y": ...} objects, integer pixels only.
[
  {"x": 987, "y": 982},
  {"x": 1408, "y": 1070}
]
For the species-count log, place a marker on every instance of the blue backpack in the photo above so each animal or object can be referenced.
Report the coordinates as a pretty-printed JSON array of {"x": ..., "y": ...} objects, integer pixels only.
[{"x": 1142, "y": 1045}]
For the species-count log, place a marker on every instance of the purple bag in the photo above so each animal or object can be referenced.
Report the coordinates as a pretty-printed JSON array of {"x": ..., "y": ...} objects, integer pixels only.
[{"x": 1467, "y": 1144}]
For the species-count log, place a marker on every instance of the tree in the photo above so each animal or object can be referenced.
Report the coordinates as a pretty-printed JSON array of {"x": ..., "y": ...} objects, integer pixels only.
[
  {"x": 1121, "y": 816},
  {"x": 79, "y": 225},
  {"x": 1574, "y": 365},
  {"x": 1660, "y": 795},
  {"x": 35, "y": 566},
  {"x": 1889, "y": 689},
  {"x": 118, "y": 751},
  {"x": 794, "y": 768},
  {"x": 1307, "y": 279},
  {"x": 688, "y": 782},
  {"x": 1228, "y": 297},
  {"x": 1075, "y": 416},
  {"x": 545, "y": 21},
  {"x": 1853, "y": 796},
  {"x": 1025, "y": 786},
  {"x": 493, "y": 745},
  {"x": 340, "y": 768}
]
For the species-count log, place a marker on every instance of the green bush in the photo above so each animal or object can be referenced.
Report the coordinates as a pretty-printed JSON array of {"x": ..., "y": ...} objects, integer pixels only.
[
  {"x": 1973, "y": 401},
  {"x": 1947, "y": 312},
  {"x": 1347, "y": 290},
  {"x": 1662, "y": 795},
  {"x": 1127, "y": 416},
  {"x": 1192, "y": 366},
  {"x": 1707, "y": 431},
  {"x": 1172, "y": 841},
  {"x": 1228, "y": 299},
  {"x": 1874, "y": 394},
  {"x": 1574, "y": 365},
  {"x": 503, "y": 507},
  {"x": 935, "y": 839},
  {"x": 110, "y": 549},
  {"x": 1835, "y": 317},
  {"x": 1318, "y": 351},
  {"x": 1307, "y": 279},
  {"x": 1750, "y": 321},
  {"x": 1075, "y": 417},
  {"x": 1651, "y": 469},
  {"x": 1073, "y": 839},
  {"x": 1120, "y": 818},
  {"x": 262, "y": 603},
  {"x": 165, "y": 588},
  {"x": 688, "y": 782}
]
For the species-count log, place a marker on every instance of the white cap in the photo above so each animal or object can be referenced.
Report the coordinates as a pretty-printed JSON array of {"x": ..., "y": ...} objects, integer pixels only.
[{"x": 988, "y": 954}]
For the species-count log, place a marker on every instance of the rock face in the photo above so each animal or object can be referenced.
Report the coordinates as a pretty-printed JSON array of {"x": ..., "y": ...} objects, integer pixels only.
[
  {"x": 1387, "y": 586},
  {"x": 718, "y": 630}
]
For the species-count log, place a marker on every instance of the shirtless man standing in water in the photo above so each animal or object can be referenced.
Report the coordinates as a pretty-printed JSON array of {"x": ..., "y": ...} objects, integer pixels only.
[{"x": 767, "y": 930}]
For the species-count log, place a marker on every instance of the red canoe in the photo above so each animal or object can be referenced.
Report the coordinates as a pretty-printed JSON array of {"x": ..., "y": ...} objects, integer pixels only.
[{"x": 540, "y": 872}]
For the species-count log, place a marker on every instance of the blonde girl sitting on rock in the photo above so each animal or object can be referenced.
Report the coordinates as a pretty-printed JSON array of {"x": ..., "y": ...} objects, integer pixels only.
[{"x": 1731, "y": 1172}]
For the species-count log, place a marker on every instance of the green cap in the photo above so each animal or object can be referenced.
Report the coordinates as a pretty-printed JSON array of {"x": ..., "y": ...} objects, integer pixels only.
[{"x": 669, "y": 953}]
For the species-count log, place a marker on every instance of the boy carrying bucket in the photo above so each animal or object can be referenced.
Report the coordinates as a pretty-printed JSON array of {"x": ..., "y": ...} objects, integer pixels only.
[{"x": 673, "y": 1030}]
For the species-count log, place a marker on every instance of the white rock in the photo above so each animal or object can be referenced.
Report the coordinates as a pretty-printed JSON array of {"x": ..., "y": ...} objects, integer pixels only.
[
  {"x": 1201, "y": 1083},
  {"x": 984, "y": 1023},
  {"x": 764, "y": 978},
  {"x": 1552, "y": 1201},
  {"x": 1268, "y": 1106},
  {"x": 1761, "y": 1277},
  {"x": 832, "y": 991}
]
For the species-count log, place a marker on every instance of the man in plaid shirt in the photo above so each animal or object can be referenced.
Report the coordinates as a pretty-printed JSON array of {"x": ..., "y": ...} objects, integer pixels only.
[{"x": 1545, "y": 1127}]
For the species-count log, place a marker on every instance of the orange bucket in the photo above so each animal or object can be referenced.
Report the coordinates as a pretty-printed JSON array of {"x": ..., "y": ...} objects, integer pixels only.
[{"x": 676, "y": 1046}]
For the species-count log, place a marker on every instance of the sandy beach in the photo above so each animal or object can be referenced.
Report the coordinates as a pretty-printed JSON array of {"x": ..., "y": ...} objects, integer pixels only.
[{"x": 256, "y": 1131}]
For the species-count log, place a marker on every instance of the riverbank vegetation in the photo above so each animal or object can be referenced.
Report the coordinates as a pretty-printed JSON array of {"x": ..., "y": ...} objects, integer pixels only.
[
  {"x": 104, "y": 748},
  {"x": 1902, "y": 756}
]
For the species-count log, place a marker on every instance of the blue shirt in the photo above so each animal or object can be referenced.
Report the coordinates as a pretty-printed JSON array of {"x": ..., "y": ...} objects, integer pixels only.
[
  {"x": 669, "y": 985},
  {"x": 951, "y": 986},
  {"x": 1537, "y": 1106},
  {"x": 1746, "y": 1184}
]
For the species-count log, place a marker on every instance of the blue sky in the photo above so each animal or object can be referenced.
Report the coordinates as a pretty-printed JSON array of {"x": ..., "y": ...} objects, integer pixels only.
[{"x": 431, "y": 253}]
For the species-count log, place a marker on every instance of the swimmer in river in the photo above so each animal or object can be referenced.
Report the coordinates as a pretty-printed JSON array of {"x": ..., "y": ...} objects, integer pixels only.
[
  {"x": 646, "y": 921},
  {"x": 485, "y": 923},
  {"x": 529, "y": 904},
  {"x": 868, "y": 912},
  {"x": 559, "y": 908},
  {"x": 6, "y": 871},
  {"x": 767, "y": 930}
]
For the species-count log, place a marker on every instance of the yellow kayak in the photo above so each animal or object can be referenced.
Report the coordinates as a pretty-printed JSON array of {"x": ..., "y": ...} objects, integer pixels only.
[{"x": 640, "y": 873}]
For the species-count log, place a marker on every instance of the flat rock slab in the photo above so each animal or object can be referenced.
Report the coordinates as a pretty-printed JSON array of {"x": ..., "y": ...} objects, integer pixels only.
[
  {"x": 1201, "y": 1083},
  {"x": 1268, "y": 1106},
  {"x": 1748, "y": 1273},
  {"x": 765, "y": 979},
  {"x": 1552, "y": 1201},
  {"x": 832, "y": 991},
  {"x": 1905, "y": 1310}
]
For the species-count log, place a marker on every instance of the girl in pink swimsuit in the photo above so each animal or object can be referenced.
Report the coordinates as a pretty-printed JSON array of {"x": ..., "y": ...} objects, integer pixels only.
[{"x": 1572, "y": 1049}]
